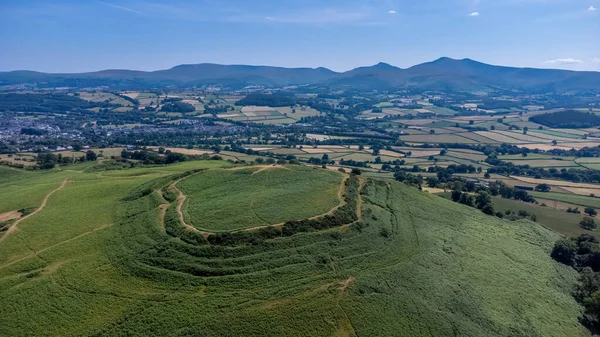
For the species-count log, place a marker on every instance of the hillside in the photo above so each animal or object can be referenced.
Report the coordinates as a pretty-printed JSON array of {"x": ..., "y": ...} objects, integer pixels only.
[
  {"x": 187, "y": 75},
  {"x": 110, "y": 253},
  {"x": 444, "y": 73}
]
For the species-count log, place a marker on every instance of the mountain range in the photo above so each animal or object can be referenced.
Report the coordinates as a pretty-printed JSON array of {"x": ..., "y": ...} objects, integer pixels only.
[{"x": 442, "y": 74}]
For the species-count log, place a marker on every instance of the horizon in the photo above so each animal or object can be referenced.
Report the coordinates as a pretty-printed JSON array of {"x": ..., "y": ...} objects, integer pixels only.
[
  {"x": 291, "y": 67},
  {"x": 68, "y": 36}
]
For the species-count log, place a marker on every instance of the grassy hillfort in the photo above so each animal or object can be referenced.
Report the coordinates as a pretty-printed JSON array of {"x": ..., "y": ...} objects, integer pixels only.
[
  {"x": 107, "y": 253},
  {"x": 453, "y": 198}
]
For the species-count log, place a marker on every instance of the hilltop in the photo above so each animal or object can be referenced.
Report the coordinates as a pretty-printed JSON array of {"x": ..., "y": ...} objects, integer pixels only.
[
  {"x": 444, "y": 73},
  {"x": 125, "y": 252}
]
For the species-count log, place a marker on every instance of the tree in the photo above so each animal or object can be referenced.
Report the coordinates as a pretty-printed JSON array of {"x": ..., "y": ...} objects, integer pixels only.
[
  {"x": 356, "y": 171},
  {"x": 471, "y": 122},
  {"x": 174, "y": 157},
  {"x": 592, "y": 305},
  {"x": 493, "y": 127},
  {"x": 432, "y": 181},
  {"x": 590, "y": 211},
  {"x": 456, "y": 194},
  {"x": 90, "y": 155},
  {"x": 588, "y": 223},
  {"x": 325, "y": 158},
  {"x": 467, "y": 199},
  {"x": 564, "y": 251},
  {"x": 482, "y": 200},
  {"x": 554, "y": 142},
  {"x": 361, "y": 147},
  {"x": 543, "y": 188},
  {"x": 486, "y": 175},
  {"x": 432, "y": 131},
  {"x": 488, "y": 209},
  {"x": 46, "y": 160}
]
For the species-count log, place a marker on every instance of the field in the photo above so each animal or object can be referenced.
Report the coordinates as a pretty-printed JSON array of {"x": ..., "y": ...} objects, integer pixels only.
[
  {"x": 238, "y": 199},
  {"x": 269, "y": 115},
  {"x": 103, "y": 97},
  {"x": 97, "y": 259},
  {"x": 555, "y": 219},
  {"x": 569, "y": 198}
]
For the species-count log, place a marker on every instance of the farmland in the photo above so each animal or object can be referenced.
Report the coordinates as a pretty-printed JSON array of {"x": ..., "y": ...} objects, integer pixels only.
[
  {"x": 99, "y": 252},
  {"x": 299, "y": 211}
]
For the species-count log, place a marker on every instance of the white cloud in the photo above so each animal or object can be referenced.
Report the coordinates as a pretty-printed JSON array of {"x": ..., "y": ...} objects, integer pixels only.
[
  {"x": 321, "y": 17},
  {"x": 559, "y": 62},
  {"x": 592, "y": 9},
  {"x": 474, "y": 14},
  {"x": 392, "y": 12},
  {"x": 121, "y": 8},
  {"x": 596, "y": 60}
]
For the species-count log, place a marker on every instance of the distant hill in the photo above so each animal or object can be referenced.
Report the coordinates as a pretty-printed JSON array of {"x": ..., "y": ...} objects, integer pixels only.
[
  {"x": 466, "y": 75},
  {"x": 442, "y": 74}
]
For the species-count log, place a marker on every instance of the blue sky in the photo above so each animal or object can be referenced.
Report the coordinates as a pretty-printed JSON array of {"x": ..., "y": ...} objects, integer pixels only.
[{"x": 75, "y": 36}]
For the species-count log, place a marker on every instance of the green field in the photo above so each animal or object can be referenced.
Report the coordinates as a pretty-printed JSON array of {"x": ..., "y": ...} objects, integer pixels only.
[
  {"x": 96, "y": 260},
  {"x": 558, "y": 220},
  {"x": 231, "y": 200},
  {"x": 569, "y": 198}
]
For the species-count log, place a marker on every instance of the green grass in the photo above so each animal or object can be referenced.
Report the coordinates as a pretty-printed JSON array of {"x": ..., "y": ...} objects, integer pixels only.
[
  {"x": 95, "y": 263},
  {"x": 569, "y": 198},
  {"x": 558, "y": 220},
  {"x": 231, "y": 200}
]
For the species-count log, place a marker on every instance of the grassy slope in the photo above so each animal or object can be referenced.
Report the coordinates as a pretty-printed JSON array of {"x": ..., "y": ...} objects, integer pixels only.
[
  {"x": 444, "y": 270},
  {"x": 231, "y": 200}
]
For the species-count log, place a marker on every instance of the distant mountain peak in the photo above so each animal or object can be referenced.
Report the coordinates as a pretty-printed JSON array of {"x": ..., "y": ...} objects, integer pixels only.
[{"x": 383, "y": 65}]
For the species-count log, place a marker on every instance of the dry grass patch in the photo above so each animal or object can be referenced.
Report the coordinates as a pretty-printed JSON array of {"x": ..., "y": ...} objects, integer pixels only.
[
  {"x": 10, "y": 215},
  {"x": 312, "y": 150},
  {"x": 555, "y": 182}
]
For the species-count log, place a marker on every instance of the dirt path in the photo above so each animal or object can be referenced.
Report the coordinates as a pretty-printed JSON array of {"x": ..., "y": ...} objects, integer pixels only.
[
  {"x": 260, "y": 168},
  {"x": 270, "y": 167},
  {"x": 163, "y": 210},
  {"x": 13, "y": 227},
  {"x": 180, "y": 201}
]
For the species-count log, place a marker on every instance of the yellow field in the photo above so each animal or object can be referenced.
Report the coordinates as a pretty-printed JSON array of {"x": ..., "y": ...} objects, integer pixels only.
[
  {"x": 312, "y": 150},
  {"x": 556, "y": 182}
]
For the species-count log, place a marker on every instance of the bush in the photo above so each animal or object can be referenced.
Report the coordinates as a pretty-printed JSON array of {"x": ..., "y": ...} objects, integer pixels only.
[
  {"x": 488, "y": 209},
  {"x": 564, "y": 251},
  {"x": 588, "y": 223}
]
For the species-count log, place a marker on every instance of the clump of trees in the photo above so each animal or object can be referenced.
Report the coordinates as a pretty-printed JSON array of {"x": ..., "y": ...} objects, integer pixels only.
[
  {"x": 583, "y": 254},
  {"x": 567, "y": 119},
  {"x": 178, "y": 107}
]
